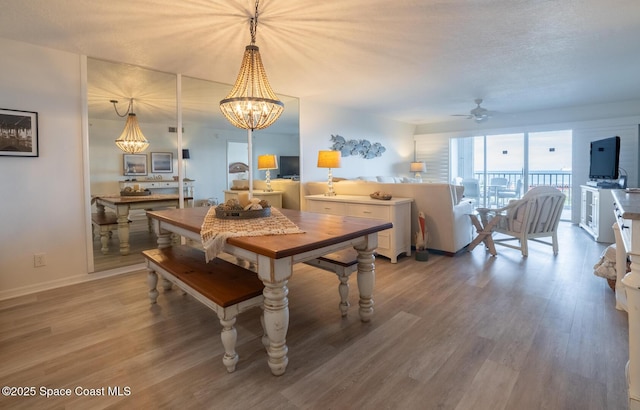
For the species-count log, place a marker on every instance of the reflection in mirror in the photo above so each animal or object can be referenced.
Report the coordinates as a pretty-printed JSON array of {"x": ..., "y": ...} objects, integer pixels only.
[
  {"x": 218, "y": 144},
  {"x": 154, "y": 95},
  {"x": 237, "y": 153},
  {"x": 205, "y": 134}
]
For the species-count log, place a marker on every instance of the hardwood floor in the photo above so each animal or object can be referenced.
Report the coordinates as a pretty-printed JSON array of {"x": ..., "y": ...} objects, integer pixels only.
[
  {"x": 140, "y": 238},
  {"x": 469, "y": 332}
]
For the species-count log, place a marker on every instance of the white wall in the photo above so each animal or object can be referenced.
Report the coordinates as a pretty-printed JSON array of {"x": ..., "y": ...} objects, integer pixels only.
[
  {"x": 319, "y": 121},
  {"x": 43, "y": 206}
]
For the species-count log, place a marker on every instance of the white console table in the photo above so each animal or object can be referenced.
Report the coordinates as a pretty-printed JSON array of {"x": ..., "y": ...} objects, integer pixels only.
[
  {"x": 627, "y": 213},
  {"x": 273, "y": 197},
  {"x": 391, "y": 242},
  {"x": 156, "y": 184}
]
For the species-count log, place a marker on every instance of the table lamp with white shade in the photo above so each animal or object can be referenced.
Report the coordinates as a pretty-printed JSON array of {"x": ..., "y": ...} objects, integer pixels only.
[
  {"x": 329, "y": 159},
  {"x": 418, "y": 167},
  {"x": 267, "y": 162}
]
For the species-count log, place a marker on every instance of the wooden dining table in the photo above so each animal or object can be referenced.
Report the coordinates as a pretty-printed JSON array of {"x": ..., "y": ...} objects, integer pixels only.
[
  {"x": 122, "y": 204},
  {"x": 275, "y": 255}
]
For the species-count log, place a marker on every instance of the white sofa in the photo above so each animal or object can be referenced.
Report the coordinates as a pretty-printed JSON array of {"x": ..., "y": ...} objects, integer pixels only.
[{"x": 446, "y": 212}]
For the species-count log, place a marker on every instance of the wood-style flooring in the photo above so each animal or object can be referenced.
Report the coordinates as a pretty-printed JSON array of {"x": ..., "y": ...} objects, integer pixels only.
[
  {"x": 140, "y": 238},
  {"x": 469, "y": 332}
]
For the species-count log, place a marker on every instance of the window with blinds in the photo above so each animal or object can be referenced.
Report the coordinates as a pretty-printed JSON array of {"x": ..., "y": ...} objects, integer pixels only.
[{"x": 433, "y": 150}]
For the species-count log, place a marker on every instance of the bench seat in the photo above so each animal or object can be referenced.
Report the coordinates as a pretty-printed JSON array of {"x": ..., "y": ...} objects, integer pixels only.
[
  {"x": 224, "y": 287},
  {"x": 343, "y": 263},
  {"x": 105, "y": 223}
]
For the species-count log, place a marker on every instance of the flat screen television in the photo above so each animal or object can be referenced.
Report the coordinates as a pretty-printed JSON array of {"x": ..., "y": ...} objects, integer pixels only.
[
  {"x": 604, "y": 159},
  {"x": 289, "y": 166}
]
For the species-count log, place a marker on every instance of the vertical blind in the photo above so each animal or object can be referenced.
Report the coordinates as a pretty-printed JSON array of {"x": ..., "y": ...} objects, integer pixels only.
[{"x": 433, "y": 150}]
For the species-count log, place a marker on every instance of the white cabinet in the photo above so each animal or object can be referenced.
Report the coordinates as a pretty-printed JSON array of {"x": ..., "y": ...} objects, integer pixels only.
[
  {"x": 274, "y": 197},
  {"x": 596, "y": 213},
  {"x": 161, "y": 184},
  {"x": 391, "y": 242}
]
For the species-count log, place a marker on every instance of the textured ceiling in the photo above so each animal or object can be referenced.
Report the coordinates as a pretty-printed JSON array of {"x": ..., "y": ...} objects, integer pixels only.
[{"x": 417, "y": 61}]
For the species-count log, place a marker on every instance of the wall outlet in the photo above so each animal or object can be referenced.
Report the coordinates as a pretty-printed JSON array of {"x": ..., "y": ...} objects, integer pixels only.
[{"x": 39, "y": 260}]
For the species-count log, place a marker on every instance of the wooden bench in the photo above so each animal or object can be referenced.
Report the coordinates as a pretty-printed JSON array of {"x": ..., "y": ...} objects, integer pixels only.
[
  {"x": 104, "y": 224},
  {"x": 226, "y": 288},
  {"x": 343, "y": 263}
]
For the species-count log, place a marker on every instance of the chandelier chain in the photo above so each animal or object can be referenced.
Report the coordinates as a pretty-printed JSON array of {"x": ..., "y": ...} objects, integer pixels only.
[
  {"x": 253, "y": 25},
  {"x": 129, "y": 108}
]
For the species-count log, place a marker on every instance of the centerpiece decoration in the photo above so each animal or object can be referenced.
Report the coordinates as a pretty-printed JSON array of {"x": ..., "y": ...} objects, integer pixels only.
[
  {"x": 134, "y": 191},
  {"x": 235, "y": 209}
]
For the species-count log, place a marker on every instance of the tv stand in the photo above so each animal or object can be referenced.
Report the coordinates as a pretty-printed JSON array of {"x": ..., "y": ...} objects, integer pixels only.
[
  {"x": 604, "y": 184},
  {"x": 596, "y": 213}
]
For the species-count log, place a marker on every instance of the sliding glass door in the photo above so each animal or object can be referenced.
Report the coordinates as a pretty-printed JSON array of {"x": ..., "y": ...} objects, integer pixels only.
[{"x": 497, "y": 168}]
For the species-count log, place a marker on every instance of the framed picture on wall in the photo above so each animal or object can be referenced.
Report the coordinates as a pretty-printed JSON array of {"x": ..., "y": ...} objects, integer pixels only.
[
  {"x": 135, "y": 164},
  {"x": 161, "y": 162},
  {"x": 18, "y": 133}
]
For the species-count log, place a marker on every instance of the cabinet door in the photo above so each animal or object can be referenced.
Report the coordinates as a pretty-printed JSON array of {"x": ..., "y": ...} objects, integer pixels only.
[
  {"x": 595, "y": 217},
  {"x": 583, "y": 207}
]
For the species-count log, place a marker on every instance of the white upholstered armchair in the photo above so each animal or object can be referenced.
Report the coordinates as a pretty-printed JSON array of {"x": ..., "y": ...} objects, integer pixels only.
[{"x": 534, "y": 216}]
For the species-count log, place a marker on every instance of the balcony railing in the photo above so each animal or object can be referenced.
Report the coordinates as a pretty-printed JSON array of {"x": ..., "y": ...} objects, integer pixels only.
[{"x": 557, "y": 179}]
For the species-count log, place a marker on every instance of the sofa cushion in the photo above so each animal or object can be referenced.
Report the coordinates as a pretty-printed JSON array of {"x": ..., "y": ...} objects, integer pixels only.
[{"x": 389, "y": 180}]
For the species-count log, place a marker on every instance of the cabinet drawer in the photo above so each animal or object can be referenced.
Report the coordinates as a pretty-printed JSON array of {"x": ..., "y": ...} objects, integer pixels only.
[
  {"x": 326, "y": 207},
  {"x": 368, "y": 211}
]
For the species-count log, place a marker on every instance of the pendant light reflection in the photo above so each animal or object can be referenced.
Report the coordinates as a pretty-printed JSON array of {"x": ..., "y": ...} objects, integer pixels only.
[{"x": 131, "y": 141}]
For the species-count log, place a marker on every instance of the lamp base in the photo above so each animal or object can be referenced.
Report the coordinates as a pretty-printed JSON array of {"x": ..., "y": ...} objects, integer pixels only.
[
  {"x": 330, "y": 193},
  {"x": 268, "y": 178}
]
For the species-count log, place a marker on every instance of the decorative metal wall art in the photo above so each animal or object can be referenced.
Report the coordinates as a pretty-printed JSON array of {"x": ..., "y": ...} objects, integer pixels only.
[{"x": 362, "y": 148}]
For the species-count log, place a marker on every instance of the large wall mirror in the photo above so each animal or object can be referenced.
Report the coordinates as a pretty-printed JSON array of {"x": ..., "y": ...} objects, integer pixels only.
[{"x": 206, "y": 134}]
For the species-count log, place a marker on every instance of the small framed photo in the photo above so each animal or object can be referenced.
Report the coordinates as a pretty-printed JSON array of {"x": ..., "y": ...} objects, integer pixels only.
[
  {"x": 18, "y": 133},
  {"x": 161, "y": 162},
  {"x": 135, "y": 164}
]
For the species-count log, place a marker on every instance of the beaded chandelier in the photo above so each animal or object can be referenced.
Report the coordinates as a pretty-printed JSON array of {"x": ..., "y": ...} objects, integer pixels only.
[
  {"x": 252, "y": 104},
  {"x": 131, "y": 140}
]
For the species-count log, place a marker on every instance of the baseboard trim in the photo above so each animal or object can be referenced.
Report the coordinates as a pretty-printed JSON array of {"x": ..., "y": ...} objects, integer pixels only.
[{"x": 73, "y": 280}]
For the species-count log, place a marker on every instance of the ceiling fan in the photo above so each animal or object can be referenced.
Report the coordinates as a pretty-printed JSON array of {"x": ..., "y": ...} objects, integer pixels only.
[{"x": 478, "y": 114}]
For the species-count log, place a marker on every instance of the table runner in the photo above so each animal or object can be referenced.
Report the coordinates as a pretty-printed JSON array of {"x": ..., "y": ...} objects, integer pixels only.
[{"x": 216, "y": 231}]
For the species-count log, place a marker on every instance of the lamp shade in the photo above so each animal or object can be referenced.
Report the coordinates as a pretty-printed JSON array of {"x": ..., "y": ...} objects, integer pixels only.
[
  {"x": 328, "y": 159},
  {"x": 267, "y": 161},
  {"x": 185, "y": 154},
  {"x": 418, "y": 166},
  {"x": 131, "y": 140}
]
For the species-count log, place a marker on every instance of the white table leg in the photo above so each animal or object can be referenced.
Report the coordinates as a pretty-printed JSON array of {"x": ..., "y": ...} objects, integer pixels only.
[
  {"x": 152, "y": 282},
  {"x": 343, "y": 290},
  {"x": 366, "y": 281},
  {"x": 123, "y": 229},
  {"x": 229, "y": 336},
  {"x": 164, "y": 237},
  {"x": 276, "y": 324}
]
